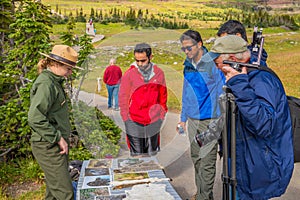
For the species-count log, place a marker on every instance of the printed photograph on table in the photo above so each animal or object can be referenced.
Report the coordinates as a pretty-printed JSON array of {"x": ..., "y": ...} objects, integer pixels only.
[
  {"x": 130, "y": 176},
  {"x": 127, "y": 180},
  {"x": 99, "y": 163},
  {"x": 96, "y": 181},
  {"x": 89, "y": 194},
  {"x": 136, "y": 165},
  {"x": 96, "y": 171},
  {"x": 128, "y": 162}
]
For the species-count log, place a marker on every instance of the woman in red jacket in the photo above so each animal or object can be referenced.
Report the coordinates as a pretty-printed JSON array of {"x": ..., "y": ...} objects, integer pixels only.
[{"x": 143, "y": 102}]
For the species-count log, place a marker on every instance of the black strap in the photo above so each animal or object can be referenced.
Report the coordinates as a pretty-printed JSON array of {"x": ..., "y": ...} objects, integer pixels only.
[{"x": 58, "y": 58}]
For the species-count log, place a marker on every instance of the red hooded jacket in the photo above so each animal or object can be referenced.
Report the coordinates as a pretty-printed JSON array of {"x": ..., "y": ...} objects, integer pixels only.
[{"x": 140, "y": 101}]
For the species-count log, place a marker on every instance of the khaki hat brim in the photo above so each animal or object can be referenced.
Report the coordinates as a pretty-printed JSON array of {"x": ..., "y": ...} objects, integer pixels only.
[{"x": 61, "y": 60}]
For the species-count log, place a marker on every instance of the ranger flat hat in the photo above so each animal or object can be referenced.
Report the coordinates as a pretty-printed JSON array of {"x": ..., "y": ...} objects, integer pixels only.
[
  {"x": 63, "y": 54},
  {"x": 226, "y": 44}
]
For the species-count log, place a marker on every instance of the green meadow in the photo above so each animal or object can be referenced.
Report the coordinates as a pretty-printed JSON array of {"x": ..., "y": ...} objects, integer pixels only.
[{"x": 283, "y": 46}]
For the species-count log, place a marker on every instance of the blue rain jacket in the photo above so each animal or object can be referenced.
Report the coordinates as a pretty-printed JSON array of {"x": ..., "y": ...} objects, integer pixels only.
[
  {"x": 202, "y": 87},
  {"x": 264, "y": 146}
]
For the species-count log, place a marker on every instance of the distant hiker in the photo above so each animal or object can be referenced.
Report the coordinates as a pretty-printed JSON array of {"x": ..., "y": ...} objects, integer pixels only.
[{"x": 143, "y": 102}]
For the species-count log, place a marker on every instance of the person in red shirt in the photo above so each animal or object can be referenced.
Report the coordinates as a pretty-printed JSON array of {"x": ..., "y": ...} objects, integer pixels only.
[
  {"x": 112, "y": 77},
  {"x": 143, "y": 102}
]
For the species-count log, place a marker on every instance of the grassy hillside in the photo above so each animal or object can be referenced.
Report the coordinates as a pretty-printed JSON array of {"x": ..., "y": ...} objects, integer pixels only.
[{"x": 282, "y": 45}]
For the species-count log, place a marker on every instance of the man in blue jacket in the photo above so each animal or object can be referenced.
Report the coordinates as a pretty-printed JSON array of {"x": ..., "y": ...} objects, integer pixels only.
[
  {"x": 264, "y": 146},
  {"x": 201, "y": 88}
]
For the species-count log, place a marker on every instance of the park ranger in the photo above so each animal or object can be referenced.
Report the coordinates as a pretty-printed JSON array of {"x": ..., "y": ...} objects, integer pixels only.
[{"x": 48, "y": 118}]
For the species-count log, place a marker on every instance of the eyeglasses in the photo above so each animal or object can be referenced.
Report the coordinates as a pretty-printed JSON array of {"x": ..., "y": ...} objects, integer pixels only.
[
  {"x": 189, "y": 48},
  {"x": 140, "y": 60}
]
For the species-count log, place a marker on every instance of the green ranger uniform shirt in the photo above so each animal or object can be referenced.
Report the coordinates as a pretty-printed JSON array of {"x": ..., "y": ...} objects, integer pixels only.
[{"x": 48, "y": 114}]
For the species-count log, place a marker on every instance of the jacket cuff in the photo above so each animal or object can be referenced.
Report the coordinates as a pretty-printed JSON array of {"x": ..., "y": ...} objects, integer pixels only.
[
  {"x": 57, "y": 137},
  {"x": 183, "y": 118}
]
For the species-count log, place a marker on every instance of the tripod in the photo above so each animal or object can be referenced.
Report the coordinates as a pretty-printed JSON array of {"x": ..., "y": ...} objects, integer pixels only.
[{"x": 229, "y": 135}]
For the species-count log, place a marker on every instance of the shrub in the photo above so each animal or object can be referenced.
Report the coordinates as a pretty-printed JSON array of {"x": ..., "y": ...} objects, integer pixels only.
[{"x": 97, "y": 132}]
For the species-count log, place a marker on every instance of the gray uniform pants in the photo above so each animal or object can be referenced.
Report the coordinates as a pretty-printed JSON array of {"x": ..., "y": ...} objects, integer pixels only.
[
  {"x": 55, "y": 166},
  {"x": 204, "y": 160}
]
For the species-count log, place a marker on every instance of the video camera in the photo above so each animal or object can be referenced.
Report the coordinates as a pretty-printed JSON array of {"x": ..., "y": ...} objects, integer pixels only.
[{"x": 213, "y": 131}]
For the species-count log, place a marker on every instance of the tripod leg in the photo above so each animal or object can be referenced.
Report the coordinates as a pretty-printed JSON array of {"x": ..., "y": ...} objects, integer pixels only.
[
  {"x": 225, "y": 176},
  {"x": 233, "y": 146}
]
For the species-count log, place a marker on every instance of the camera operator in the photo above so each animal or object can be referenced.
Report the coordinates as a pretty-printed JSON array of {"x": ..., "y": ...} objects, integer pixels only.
[
  {"x": 234, "y": 27},
  {"x": 264, "y": 147}
]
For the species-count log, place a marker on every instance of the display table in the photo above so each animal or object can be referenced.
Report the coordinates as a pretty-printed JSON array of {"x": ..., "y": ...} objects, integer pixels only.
[{"x": 129, "y": 178}]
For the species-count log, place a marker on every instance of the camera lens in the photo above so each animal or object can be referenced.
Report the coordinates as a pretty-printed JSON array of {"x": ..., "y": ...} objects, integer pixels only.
[{"x": 198, "y": 140}]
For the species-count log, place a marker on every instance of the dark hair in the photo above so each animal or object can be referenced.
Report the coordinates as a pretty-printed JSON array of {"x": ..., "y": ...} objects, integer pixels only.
[
  {"x": 232, "y": 27},
  {"x": 143, "y": 47},
  {"x": 191, "y": 35}
]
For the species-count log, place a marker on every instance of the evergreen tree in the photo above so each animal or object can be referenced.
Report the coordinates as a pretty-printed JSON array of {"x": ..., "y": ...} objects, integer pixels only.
[
  {"x": 6, "y": 18},
  {"x": 140, "y": 14},
  {"x": 92, "y": 15},
  {"x": 115, "y": 18},
  {"x": 97, "y": 15},
  {"x": 175, "y": 25},
  {"x": 86, "y": 48},
  {"x": 80, "y": 17},
  {"x": 131, "y": 18},
  {"x": 77, "y": 14},
  {"x": 68, "y": 37},
  {"x": 30, "y": 35},
  {"x": 100, "y": 15}
]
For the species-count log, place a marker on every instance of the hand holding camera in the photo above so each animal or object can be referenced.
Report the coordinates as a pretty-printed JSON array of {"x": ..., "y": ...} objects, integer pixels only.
[{"x": 212, "y": 133}]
